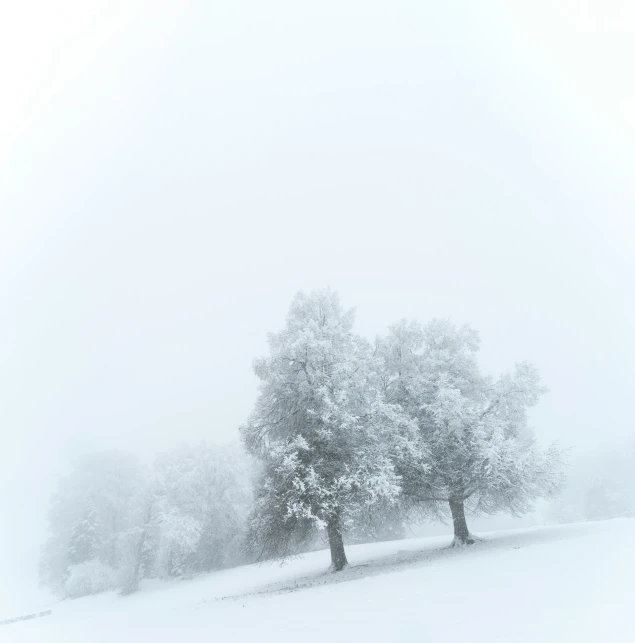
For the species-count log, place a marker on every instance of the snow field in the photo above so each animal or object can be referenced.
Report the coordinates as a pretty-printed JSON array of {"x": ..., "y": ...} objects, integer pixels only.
[{"x": 560, "y": 584}]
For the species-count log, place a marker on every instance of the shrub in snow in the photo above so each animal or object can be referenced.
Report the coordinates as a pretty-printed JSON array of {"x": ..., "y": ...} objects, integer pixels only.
[{"x": 91, "y": 577}]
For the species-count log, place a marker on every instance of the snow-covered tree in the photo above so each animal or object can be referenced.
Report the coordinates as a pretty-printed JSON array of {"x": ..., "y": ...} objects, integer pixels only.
[
  {"x": 482, "y": 451},
  {"x": 321, "y": 426}
]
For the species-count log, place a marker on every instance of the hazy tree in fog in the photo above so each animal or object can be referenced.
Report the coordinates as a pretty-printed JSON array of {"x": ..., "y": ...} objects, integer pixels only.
[
  {"x": 482, "y": 451},
  {"x": 88, "y": 514},
  {"x": 201, "y": 505},
  {"x": 190, "y": 517},
  {"x": 136, "y": 552},
  {"x": 600, "y": 484},
  {"x": 601, "y": 501},
  {"x": 86, "y": 538},
  {"x": 114, "y": 522},
  {"x": 322, "y": 430}
]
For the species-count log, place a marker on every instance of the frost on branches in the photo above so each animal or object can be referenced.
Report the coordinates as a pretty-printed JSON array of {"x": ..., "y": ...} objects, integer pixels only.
[
  {"x": 321, "y": 426},
  {"x": 482, "y": 451}
]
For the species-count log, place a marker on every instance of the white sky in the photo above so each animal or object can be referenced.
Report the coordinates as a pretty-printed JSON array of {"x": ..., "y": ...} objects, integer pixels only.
[{"x": 172, "y": 172}]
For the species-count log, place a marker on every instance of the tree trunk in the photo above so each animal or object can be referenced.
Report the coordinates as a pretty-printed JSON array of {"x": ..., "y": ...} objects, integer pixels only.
[
  {"x": 461, "y": 533},
  {"x": 338, "y": 555},
  {"x": 132, "y": 583}
]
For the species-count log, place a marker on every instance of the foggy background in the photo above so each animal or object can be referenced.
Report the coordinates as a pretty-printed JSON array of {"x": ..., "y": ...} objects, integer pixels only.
[{"x": 172, "y": 173}]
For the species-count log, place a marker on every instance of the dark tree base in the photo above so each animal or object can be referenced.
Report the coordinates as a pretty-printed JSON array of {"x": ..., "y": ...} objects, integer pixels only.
[
  {"x": 334, "y": 569},
  {"x": 336, "y": 544},
  {"x": 462, "y": 536},
  {"x": 462, "y": 542}
]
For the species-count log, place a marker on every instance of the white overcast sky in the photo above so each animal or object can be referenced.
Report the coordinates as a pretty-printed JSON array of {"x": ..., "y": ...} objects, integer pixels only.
[{"x": 171, "y": 173}]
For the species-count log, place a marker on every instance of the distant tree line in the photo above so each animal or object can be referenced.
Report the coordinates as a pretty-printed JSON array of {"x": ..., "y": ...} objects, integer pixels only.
[
  {"x": 600, "y": 486},
  {"x": 348, "y": 440},
  {"x": 114, "y": 521}
]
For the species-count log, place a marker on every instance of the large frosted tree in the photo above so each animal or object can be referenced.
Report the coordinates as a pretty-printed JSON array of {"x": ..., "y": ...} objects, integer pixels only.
[
  {"x": 482, "y": 451},
  {"x": 326, "y": 436}
]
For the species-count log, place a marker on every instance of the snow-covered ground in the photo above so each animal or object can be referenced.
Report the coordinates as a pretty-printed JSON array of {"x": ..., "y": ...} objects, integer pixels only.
[{"x": 566, "y": 583}]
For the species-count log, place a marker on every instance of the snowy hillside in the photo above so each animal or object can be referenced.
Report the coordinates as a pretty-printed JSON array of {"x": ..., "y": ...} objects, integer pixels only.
[{"x": 567, "y": 583}]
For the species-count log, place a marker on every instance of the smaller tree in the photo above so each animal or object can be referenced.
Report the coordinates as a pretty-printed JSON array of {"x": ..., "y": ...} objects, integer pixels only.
[{"x": 482, "y": 451}]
